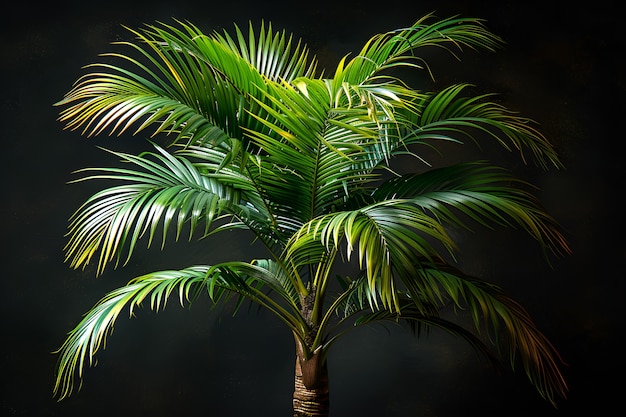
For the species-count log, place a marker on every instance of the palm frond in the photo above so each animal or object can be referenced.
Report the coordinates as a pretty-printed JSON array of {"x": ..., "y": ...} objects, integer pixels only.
[
  {"x": 184, "y": 83},
  {"x": 506, "y": 323},
  {"x": 272, "y": 53},
  {"x": 167, "y": 191},
  {"x": 397, "y": 48},
  {"x": 318, "y": 153},
  {"x": 248, "y": 280},
  {"x": 497, "y": 319},
  {"x": 452, "y": 112},
  {"x": 387, "y": 236},
  {"x": 113, "y": 98},
  {"x": 486, "y": 194},
  {"x": 84, "y": 341}
]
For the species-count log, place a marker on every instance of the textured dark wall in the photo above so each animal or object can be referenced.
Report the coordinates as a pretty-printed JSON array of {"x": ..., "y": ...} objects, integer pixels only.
[{"x": 562, "y": 67}]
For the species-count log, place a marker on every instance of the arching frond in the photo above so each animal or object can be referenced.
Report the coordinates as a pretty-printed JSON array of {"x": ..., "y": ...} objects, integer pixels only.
[
  {"x": 315, "y": 151},
  {"x": 506, "y": 323},
  {"x": 167, "y": 94},
  {"x": 247, "y": 280},
  {"x": 167, "y": 191},
  {"x": 452, "y": 112},
  {"x": 84, "y": 341},
  {"x": 184, "y": 82},
  {"x": 386, "y": 236},
  {"x": 400, "y": 48},
  {"x": 502, "y": 328},
  {"x": 486, "y": 194}
]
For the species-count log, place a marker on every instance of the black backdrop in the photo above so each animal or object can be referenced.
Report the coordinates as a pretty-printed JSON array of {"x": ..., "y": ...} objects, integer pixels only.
[{"x": 562, "y": 67}]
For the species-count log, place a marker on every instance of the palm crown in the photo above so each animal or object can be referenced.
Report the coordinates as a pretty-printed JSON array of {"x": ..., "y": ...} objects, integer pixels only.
[{"x": 257, "y": 139}]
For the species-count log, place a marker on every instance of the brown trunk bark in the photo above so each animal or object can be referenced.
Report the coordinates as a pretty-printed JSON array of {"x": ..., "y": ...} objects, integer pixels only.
[{"x": 310, "y": 397}]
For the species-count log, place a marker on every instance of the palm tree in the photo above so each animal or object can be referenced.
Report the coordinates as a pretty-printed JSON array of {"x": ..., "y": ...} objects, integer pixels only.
[{"x": 258, "y": 140}]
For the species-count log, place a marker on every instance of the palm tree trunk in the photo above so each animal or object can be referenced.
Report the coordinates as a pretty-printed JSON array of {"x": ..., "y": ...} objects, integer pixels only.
[{"x": 310, "y": 397}]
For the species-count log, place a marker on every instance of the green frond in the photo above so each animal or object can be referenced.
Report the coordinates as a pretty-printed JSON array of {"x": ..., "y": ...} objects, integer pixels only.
[
  {"x": 452, "y": 112},
  {"x": 488, "y": 195},
  {"x": 399, "y": 48},
  {"x": 182, "y": 83},
  {"x": 500, "y": 322},
  {"x": 313, "y": 152},
  {"x": 168, "y": 192},
  {"x": 248, "y": 280},
  {"x": 84, "y": 341},
  {"x": 272, "y": 53},
  {"x": 115, "y": 99},
  {"x": 506, "y": 324},
  {"x": 387, "y": 238},
  {"x": 262, "y": 142}
]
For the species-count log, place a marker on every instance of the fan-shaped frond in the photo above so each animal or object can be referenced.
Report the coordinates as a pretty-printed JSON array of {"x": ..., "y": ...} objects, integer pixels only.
[
  {"x": 318, "y": 153},
  {"x": 247, "y": 280},
  {"x": 387, "y": 237},
  {"x": 176, "y": 97}
]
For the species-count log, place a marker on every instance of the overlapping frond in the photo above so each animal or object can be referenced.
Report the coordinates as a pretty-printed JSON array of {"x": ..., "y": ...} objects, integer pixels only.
[
  {"x": 269, "y": 145},
  {"x": 387, "y": 237},
  {"x": 183, "y": 82},
  {"x": 167, "y": 90},
  {"x": 313, "y": 157},
  {"x": 502, "y": 327}
]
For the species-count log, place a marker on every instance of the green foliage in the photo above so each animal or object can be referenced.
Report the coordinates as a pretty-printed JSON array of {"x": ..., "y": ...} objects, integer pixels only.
[{"x": 256, "y": 139}]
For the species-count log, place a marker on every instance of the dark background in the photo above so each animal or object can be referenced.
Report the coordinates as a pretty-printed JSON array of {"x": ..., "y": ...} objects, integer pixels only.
[{"x": 563, "y": 67}]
